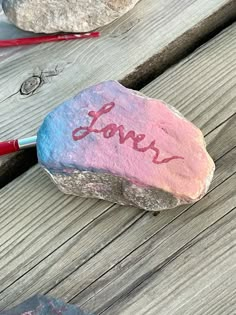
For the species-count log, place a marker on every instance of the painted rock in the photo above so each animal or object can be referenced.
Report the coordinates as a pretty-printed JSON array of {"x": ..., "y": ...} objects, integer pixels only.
[
  {"x": 113, "y": 143},
  {"x": 49, "y": 16},
  {"x": 44, "y": 305}
]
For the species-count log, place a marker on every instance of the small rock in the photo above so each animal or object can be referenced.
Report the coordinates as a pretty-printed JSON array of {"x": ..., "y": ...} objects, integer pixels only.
[
  {"x": 50, "y": 16},
  {"x": 113, "y": 143}
]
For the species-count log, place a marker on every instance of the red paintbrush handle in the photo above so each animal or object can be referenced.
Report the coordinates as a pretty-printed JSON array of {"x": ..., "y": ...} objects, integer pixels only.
[
  {"x": 46, "y": 39},
  {"x": 9, "y": 147}
]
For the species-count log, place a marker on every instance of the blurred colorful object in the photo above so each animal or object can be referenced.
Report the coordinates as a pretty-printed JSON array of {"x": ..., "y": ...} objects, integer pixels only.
[{"x": 43, "y": 305}]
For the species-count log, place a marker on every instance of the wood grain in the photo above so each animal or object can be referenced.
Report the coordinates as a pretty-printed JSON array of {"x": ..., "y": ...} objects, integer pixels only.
[
  {"x": 139, "y": 237},
  {"x": 78, "y": 249},
  {"x": 199, "y": 279},
  {"x": 133, "y": 49},
  {"x": 61, "y": 235}
]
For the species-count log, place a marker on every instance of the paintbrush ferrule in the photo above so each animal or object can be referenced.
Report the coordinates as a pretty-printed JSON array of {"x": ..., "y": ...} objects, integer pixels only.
[{"x": 27, "y": 142}]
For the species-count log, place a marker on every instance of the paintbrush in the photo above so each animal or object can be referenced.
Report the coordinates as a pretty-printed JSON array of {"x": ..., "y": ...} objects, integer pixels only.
[
  {"x": 11, "y": 146},
  {"x": 46, "y": 39}
]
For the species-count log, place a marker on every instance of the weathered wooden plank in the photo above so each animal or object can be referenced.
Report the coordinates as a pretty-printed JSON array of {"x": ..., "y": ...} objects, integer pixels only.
[
  {"x": 114, "y": 254},
  {"x": 199, "y": 281},
  {"x": 125, "y": 52},
  {"x": 75, "y": 257},
  {"x": 41, "y": 228},
  {"x": 146, "y": 233},
  {"x": 200, "y": 84}
]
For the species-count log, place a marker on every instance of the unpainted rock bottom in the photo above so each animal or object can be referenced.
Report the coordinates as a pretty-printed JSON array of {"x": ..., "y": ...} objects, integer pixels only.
[{"x": 113, "y": 188}]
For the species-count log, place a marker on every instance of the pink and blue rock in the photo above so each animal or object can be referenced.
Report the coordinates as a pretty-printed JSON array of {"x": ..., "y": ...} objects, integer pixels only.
[
  {"x": 44, "y": 305},
  {"x": 113, "y": 143}
]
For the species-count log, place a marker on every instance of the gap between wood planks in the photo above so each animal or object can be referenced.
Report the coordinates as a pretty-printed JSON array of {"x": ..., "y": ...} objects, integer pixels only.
[
  {"x": 14, "y": 165},
  {"x": 174, "y": 53}
]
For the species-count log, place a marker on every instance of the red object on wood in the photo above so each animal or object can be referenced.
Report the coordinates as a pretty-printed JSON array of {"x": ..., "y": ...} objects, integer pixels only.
[
  {"x": 9, "y": 147},
  {"x": 46, "y": 39}
]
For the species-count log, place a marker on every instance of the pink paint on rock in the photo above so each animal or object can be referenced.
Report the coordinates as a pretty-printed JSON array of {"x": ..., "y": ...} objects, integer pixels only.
[
  {"x": 183, "y": 164},
  {"x": 113, "y": 129}
]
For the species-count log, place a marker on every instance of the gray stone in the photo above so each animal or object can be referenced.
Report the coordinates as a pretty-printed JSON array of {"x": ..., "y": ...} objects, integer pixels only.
[{"x": 50, "y": 16}]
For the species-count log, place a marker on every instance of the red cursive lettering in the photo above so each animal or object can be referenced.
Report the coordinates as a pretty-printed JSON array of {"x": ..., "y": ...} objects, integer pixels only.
[{"x": 112, "y": 129}]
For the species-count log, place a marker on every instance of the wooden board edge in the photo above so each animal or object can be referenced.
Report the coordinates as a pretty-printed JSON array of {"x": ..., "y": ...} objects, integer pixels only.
[{"x": 182, "y": 47}]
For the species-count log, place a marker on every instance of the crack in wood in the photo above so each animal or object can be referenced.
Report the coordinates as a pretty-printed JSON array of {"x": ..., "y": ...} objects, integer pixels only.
[
  {"x": 181, "y": 47},
  {"x": 7, "y": 98}
]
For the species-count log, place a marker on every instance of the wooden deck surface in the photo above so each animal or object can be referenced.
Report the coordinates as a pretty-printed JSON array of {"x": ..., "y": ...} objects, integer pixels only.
[
  {"x": 112, "y": 259},
  {"x": 135, "y": 49}
]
